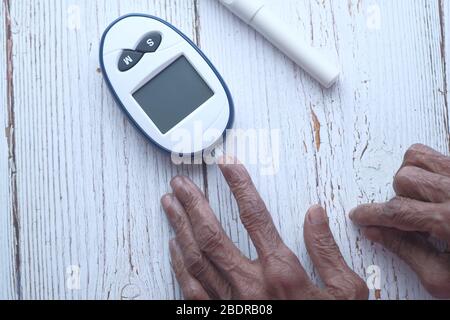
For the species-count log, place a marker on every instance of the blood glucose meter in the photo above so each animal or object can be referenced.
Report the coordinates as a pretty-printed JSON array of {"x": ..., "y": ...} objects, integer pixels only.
[{"x": 165, "y": 84}]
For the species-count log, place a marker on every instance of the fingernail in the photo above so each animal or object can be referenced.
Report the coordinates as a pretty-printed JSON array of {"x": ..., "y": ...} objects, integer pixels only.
[
  {"x": 176, "y": 182},
  {"x": 166, "y": 201},
  {"x": 182, "y": 188},
  {"x": 317, "y": 216}
]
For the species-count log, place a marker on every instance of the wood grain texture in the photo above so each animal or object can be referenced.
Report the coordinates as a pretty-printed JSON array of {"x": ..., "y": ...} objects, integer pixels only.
[
  {"x": 8, "y": 262},
  {"x": 445, "y": 52},
  {"x": 390, "y": 96},
  {"x": 89, "y": 183},
  {"x": 82, "y": 186}
]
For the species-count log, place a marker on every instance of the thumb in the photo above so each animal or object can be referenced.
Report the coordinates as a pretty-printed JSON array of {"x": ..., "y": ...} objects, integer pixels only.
[{"x": 340, "y": 280}]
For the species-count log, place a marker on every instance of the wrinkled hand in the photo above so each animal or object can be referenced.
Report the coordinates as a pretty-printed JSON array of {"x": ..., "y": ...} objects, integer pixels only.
[
  {"x": 421, "y": 208},
  {"x": 209, "y": 266}
]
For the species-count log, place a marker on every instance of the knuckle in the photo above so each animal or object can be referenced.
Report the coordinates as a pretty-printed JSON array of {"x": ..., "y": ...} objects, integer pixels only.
[
  {"x": 193, "y": 201},
  {"x": 242, "y": 189},
  {"x": 396, "y": 210},
  {"x": 238, "y": 177},
  {"x": 280, "y": 281},
  {"x": 443, "y": 231},
  {"x": 277, "y": 258},
  {"x": 282, "y": 256},
  {"x": 253, "y": 211},
  {"x": 283, "y": 270},
  {"x": 325, "y": 245},
  {"x": 181, "y": 226},
  {"x": 195, "y": 264},
  {"x": 284, "y": 283},
  {"x": 400, "y": 211},
  {"x": 405, "y": 173},
  {"x": 403, "y": 177},
  {"x": 210, "y": 237},
  {"x": 395, "y": 204},
  {"x": 440, "y": 224}
]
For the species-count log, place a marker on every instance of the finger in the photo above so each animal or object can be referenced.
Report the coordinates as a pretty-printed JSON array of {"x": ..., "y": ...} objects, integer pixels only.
[
  {"x": 209, "y": 234},
  {"x": 341, "y": 281},
  {"x": 194, "y": 260},
  {"x": 432, "y": 267},
  {"x": 428, "y": 159},
  {"x": 253, "y": 212},
  {"x": 191, "y": 287},
  {"x": 407, "y": 215},
  {"x": 419, "y": 184}
]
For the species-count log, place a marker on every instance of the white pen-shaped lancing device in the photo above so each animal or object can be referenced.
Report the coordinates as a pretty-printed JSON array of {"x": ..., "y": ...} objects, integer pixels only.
[{"x": 257, "y": 15}]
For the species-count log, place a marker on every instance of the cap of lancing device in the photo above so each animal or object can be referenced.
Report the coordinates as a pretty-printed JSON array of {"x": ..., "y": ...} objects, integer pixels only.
[{"x": 257, "y": 15}]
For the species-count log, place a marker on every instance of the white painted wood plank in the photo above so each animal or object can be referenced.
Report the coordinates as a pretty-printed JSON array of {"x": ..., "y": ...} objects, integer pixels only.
[
  {"x": 445, "y": 24},
  {"x": 89, "y": 183},
  {"x": 399, "y": 105},
  {"x": 8, "y": 270},
  {"x": 388, "y": 98}
]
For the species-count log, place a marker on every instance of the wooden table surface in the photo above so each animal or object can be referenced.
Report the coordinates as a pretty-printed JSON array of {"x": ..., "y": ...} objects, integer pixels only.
[{"x": 80, "y": 186}]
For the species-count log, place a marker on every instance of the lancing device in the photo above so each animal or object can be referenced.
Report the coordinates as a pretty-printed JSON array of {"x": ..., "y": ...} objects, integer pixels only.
[{"x": 261, "y": 18}]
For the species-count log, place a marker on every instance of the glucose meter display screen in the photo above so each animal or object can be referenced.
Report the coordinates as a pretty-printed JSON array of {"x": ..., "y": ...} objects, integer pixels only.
[{"x": 173, "y": 94}]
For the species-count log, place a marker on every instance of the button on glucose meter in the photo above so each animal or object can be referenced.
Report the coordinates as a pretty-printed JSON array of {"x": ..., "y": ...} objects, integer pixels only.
[
  {"x": 165, "y": 84},
  {"x": 129, "y": 59},
  {"x": 150, "y": 43}
]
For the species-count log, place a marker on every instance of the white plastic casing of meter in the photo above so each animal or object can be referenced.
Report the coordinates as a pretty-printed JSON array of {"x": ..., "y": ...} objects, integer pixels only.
[{"x": 206, "y": 124}]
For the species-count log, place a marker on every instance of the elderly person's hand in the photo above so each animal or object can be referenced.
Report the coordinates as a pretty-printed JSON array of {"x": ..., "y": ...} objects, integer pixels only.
[
  {"x": 208, "y": 265},
  {"x": 421, "y": 208}
]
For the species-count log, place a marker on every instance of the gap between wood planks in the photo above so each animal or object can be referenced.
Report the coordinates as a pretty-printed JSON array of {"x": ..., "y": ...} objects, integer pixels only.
[
  {"x": 196, "y": 31},
  {"x": 11, "y": 141},
  {"x": 444, "y": 67}
]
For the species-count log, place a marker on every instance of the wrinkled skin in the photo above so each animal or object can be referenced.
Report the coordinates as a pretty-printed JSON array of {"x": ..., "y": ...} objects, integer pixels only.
[
  {"x": 208, "y": 265},
  {"x": 421, "y": 209}
]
